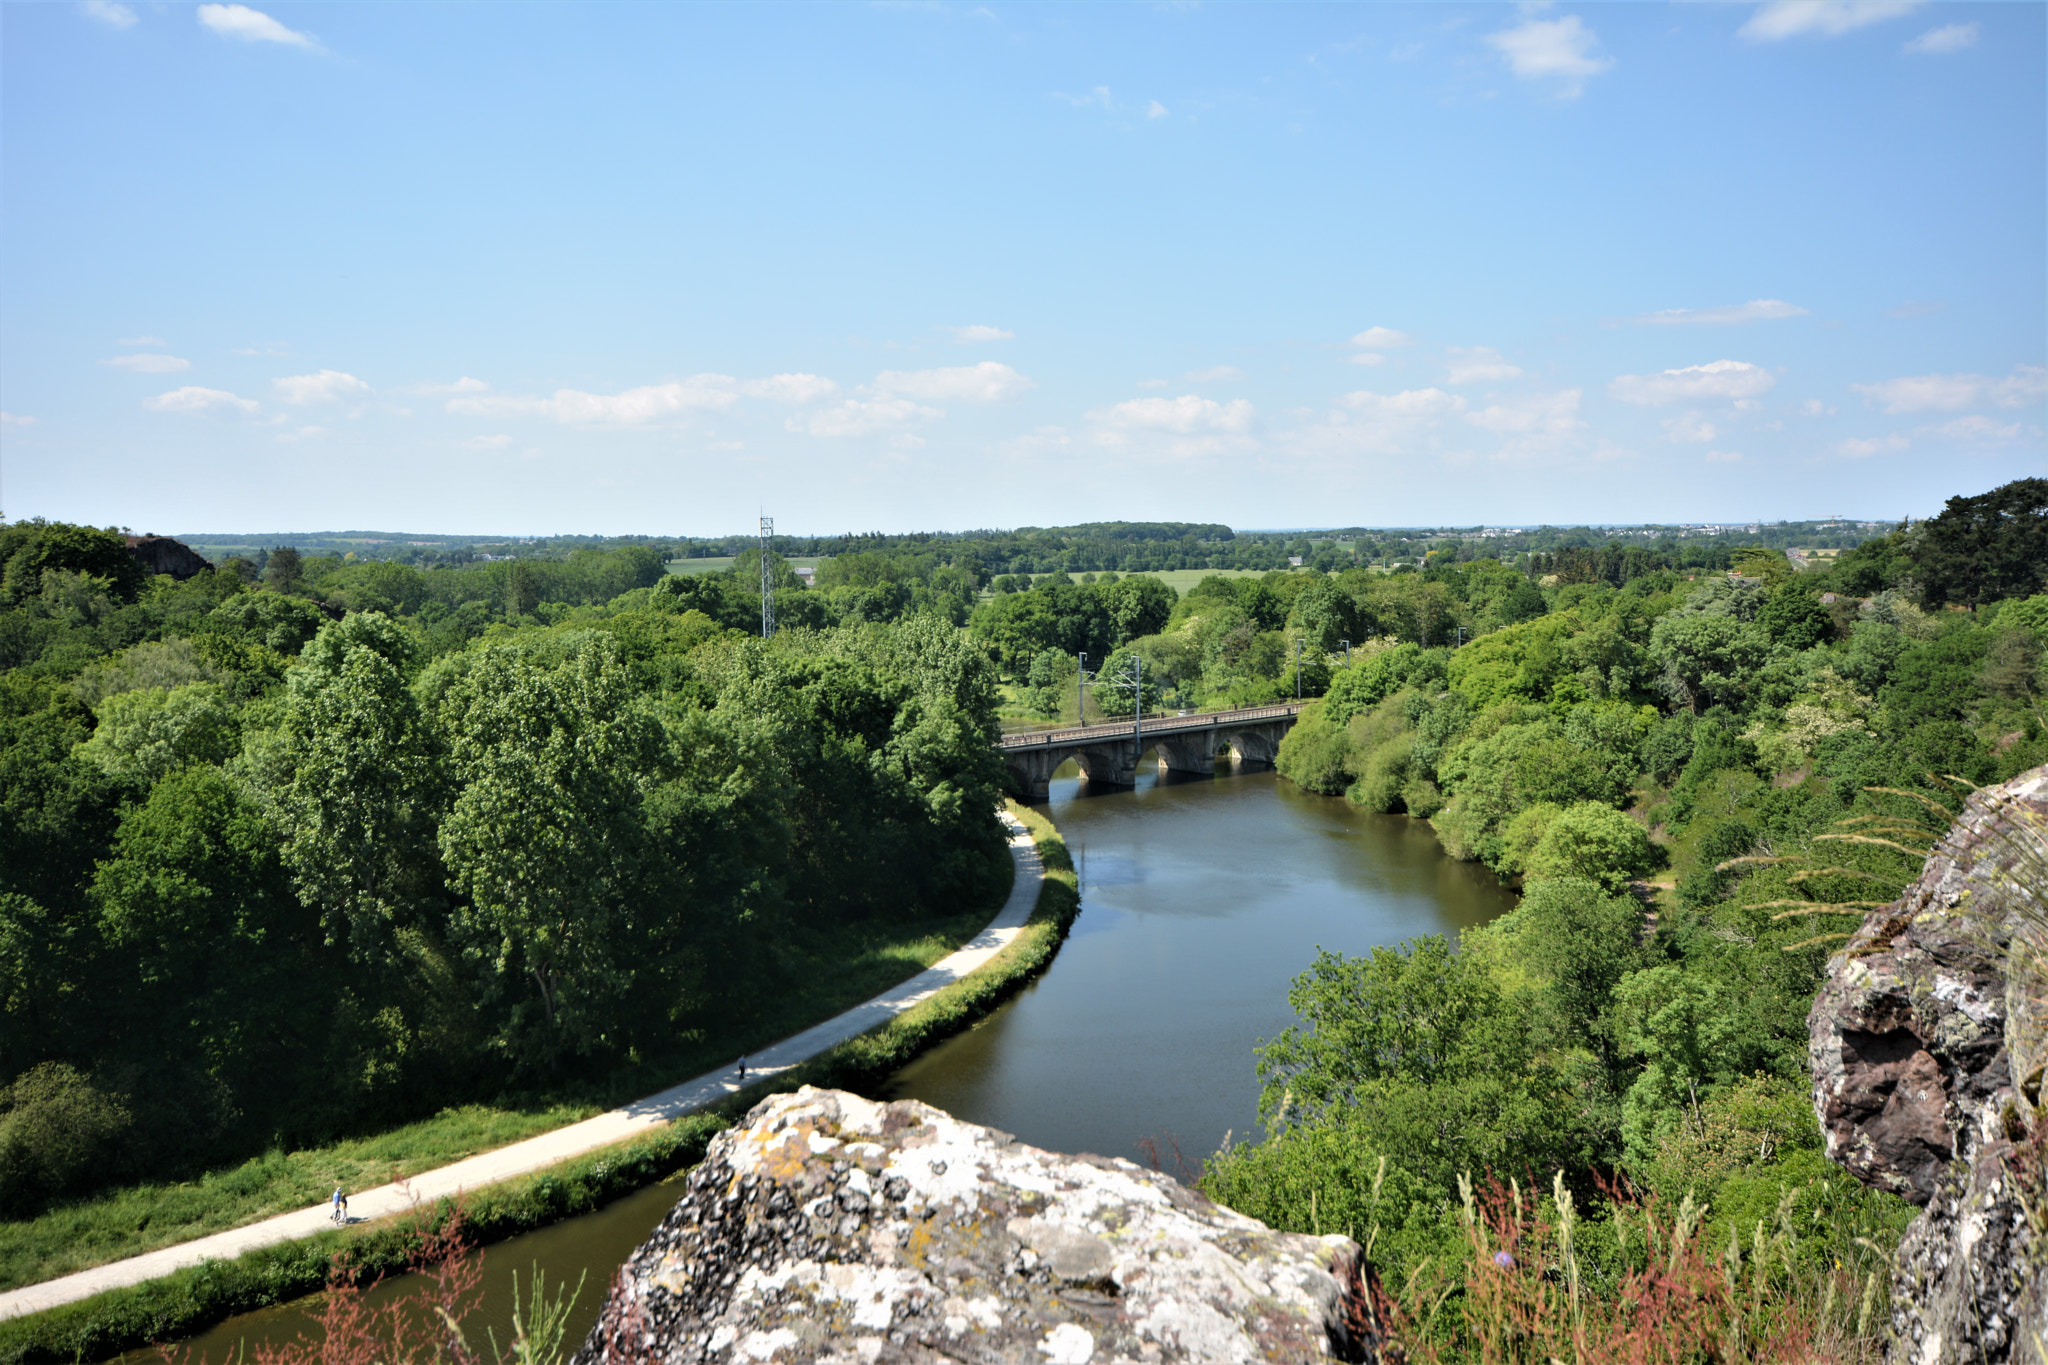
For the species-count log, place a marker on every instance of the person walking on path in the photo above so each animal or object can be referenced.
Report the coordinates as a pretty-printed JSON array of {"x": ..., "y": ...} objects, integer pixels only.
[
  {"x": 340, "y": 1205},
  {"x": 743, "y": 1070}
]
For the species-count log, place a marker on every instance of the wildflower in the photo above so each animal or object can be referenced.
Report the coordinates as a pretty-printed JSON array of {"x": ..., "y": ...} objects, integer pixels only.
[{"x": 1503, "y": 1260}]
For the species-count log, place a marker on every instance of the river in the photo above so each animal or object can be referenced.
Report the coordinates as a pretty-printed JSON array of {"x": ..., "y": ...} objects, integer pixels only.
[{"x": 1201, "y": 900}]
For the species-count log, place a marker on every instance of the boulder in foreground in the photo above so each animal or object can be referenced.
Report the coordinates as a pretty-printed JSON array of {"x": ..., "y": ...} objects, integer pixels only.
[
  {"x": 1928, "y": 1041},
  {"x": 829, "y": 1228}
]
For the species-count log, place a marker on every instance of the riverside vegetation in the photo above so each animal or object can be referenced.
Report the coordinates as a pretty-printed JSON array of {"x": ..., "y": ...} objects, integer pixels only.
[{"x": 1584, "y": 1093}]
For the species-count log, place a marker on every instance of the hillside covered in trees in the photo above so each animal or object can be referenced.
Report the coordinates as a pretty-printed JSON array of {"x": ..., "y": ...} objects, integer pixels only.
[
  {"x": 1776, "y": 752},
  {"x": 284, "y": 863}
]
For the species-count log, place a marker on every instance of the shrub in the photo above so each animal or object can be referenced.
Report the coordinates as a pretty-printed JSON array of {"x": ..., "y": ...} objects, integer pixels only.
[
  {"x": 56, "y": 1129},
  {"x": 1592, "y": 841},
  {"x": 1315, "y": 753}
]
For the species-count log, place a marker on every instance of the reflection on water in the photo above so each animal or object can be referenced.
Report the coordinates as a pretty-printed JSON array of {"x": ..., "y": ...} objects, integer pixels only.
[{"x": 1201, "y": 899}]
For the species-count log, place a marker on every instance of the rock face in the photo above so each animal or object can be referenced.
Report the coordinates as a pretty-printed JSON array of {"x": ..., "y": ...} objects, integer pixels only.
[
  {"x": 161, "y": 554},
  {"x": 1927, "y": 1049},
  {"x": 829, "y": 1228}
]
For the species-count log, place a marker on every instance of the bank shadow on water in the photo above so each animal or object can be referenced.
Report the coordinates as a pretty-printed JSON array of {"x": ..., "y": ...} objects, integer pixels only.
[{"x": 1202, "y": 898}]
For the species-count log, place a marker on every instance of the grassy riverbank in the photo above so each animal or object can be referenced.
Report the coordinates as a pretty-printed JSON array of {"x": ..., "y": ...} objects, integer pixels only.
[
  {"x": 818, "y": 976},
  {"x": 191, "y": 1300}
]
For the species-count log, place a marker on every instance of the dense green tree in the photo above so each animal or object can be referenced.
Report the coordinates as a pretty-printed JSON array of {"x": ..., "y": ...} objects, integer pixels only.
[
  {"x": 1981, "y": 549},
  {"x": 31, "y": 549},
  {"x": 197, "y": 903},
  {"x": 542, "y": 840},
  {"x": 354, "y": 778},
  {"x": 140, "y": 736}
]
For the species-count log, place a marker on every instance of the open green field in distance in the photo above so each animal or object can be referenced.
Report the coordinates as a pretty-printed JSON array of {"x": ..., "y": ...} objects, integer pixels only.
[{"x": 719, "y": 564}]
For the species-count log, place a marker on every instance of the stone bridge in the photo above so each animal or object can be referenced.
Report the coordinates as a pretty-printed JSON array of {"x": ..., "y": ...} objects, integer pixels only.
[{"x": 1110, "y": 753}]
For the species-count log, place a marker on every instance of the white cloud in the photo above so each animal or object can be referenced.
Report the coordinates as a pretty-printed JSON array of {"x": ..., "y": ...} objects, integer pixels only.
[
  {"x": 1099, "y": 95},
  {"x": 1858, "y": 449},
  {"x": 302, "y": 434},
  {"x": 1381, "y": 339},
  {"x": 791, "y": 388},
  {"x": 1477, "y": 365},
  {"x": 1756, "y": 310},
  {"x": 1688, "y": 428},
  {"x": 633, "y": 407},
  {"x": 1939, "y": 42},
  {"x": 1187, "y": 415},
  {"x": 486, "y": 443},
  {"x": 142, "y": 341},
  {"x": 1539, "y": 424},
  {"x": 1157, "y": 110},
  {"x": 988, "y": 382},
  {"x": 15, "y": 419},
  {"x": 192, "y": 398},
  {"x": 1367, "y": 358},
  {"x": 250, "y": 25},
  {"x": 147, "y": 363},
  {"x": 1155, "y": 383},
  {"x": 1729, "y": 379},
  {"x": 864, "y": 417},
  {"x": 1953, "y": 392},
  {"x": 327, "y": 386},
  {"x": 1813, "y": 407},
  {"x": 1407, "y": 405},
  {"x": 462, "y": 385},
  {"x": 1368, "y": 423},
  {"x": 1215, "y": 374},
  {"x": 1542, "y": 49},
  {"x": 113, "y": 16},
  {"x": 1975, "y": 427},
  {"x": 1782, "y": 19},
  {"x": 1915, "y": 308},
  {"x": 980, "y": 331},
  {"x": 1724, "y": 457}
]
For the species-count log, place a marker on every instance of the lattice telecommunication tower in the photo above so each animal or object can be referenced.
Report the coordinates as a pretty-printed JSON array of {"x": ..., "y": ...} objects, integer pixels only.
[{"x": 767, "y": 579}]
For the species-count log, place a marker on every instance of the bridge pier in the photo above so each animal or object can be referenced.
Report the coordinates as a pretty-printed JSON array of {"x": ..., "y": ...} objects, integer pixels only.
[
  {"x": 1256, "y": 748},
  {"x": 1111, "y": 765},
  {"x": 1034, "y": 770},
  {"x": 1194, "y": 754}
]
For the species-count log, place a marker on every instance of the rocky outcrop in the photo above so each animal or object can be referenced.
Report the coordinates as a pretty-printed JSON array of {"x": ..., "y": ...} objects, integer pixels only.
[
  {"x": 1927, "y": 1046},
  {"x": 161, "y": 554},
  {"x": 828, "y": 1228}
]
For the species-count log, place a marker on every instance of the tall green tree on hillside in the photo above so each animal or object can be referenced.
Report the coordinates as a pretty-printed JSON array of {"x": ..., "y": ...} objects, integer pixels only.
[
  {"x": 356, "y": 781},
  {"x": 543, "y": 839},
  {"x": 1981, "y": 549}
]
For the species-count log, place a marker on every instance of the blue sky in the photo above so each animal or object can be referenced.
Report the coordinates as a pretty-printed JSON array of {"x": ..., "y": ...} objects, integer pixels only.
[{"x": 650, "y": 268}]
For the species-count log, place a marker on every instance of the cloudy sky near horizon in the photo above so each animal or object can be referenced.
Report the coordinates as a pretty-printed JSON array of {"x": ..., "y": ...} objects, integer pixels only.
[{"x": 537, "y": 268}]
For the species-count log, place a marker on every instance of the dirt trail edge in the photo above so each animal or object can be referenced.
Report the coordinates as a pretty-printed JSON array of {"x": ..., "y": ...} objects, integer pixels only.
[{"x": 548, "y": 1149}]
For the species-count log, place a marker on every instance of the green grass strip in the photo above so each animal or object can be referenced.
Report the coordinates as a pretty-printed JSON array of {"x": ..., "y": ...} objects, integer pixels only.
[{"x": 192, "y": 1300}]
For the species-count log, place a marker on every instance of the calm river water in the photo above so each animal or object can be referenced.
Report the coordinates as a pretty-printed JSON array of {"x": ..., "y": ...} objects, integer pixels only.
[{"x": 1201, "y": 900}]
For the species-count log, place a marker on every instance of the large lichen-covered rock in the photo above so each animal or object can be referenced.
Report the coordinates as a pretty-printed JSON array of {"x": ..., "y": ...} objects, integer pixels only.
[
  {"x": 829, "y": 1228},
  {"x": 1927, "y": 1046}
]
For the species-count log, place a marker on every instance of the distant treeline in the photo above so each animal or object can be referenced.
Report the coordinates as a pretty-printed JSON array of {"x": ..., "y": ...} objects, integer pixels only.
[{"x": 1095, "y": 547}]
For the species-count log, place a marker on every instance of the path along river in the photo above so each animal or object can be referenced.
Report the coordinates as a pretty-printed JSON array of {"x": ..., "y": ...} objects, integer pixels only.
[{"x": 1201, "y": 900}]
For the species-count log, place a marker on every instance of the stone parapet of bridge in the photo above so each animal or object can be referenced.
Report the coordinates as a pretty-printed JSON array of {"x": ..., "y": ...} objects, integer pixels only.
[{"x": 1110, "y": 754}]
